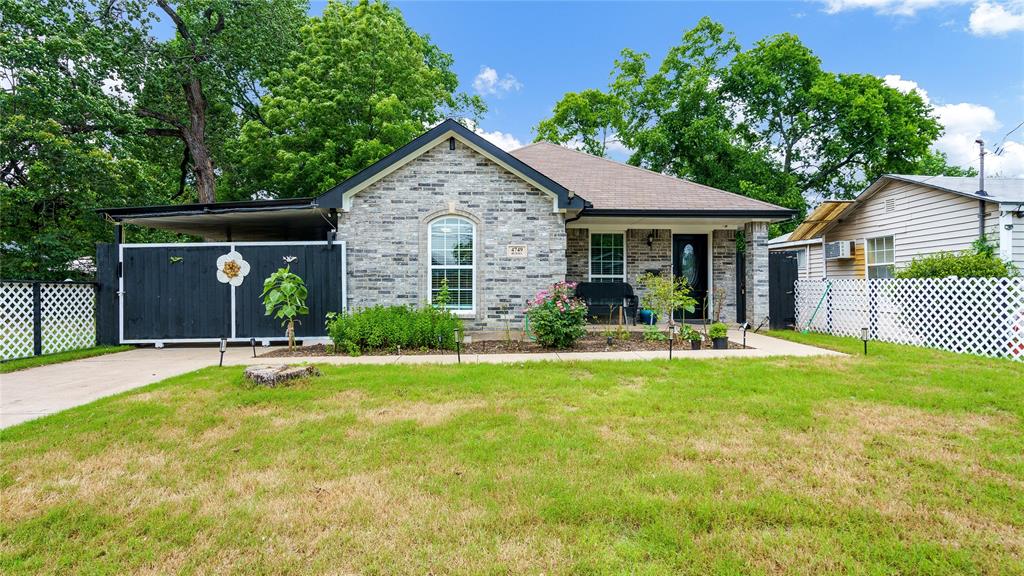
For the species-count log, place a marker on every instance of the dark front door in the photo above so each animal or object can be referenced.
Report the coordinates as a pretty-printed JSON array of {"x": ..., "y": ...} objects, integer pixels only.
[
  {"x": 782, "y": 276},
  {"x": 690, "y": 261}
]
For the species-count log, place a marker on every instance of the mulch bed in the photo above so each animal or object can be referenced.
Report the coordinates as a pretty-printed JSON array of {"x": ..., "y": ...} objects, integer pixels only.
[{"x": 590, "y": 343}]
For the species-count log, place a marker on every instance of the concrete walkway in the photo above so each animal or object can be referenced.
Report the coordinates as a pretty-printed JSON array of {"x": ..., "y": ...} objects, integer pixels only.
[{"x": 35, "y": 392}]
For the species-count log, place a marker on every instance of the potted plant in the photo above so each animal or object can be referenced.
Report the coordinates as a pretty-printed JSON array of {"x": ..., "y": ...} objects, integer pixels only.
[
  {"x": 688, "y": 333},
  {"x": 719, "y": 335}
]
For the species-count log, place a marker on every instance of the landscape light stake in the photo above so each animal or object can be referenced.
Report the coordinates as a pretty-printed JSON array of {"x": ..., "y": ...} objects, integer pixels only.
[
  {"x": 864, "y": 337},
  {"x": 458, "y": 346},
  {"x": 745, "y": 325},
  {"x": 671, "y": 337},
  {"x": 223, "y": 347},
  {"x": 253, "y": 342}
]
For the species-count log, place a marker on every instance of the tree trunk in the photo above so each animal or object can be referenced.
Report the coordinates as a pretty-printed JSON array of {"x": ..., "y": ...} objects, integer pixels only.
[
  {"x": 195, "y": 138},
  {"x": 291, "y": 334}
]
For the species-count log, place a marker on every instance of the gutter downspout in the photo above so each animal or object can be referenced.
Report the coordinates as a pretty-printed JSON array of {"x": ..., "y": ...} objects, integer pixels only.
[{"x": 981, "y": 188}]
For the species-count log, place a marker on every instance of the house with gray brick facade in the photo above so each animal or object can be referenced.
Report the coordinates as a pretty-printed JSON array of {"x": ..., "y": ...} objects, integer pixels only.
[{"x": 500, "y": 226}]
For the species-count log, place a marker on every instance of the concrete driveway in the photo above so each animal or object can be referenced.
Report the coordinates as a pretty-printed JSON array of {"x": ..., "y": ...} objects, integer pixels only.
[{"x": 35, "y": 392}]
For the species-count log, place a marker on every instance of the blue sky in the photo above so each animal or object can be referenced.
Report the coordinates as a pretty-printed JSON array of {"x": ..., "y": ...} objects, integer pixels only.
[
  {"x": 966, "y": 56},
  {"x": 971, "y": 71}
]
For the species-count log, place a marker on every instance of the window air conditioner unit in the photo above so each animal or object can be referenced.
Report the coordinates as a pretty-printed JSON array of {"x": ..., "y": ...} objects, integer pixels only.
[{"x": 839, "y": 250}]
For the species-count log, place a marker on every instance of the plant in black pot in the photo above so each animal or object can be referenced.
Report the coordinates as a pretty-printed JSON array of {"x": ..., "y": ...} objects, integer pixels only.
[
  {"x": 693, "y": 336},
  {"x": 719, "y": 335}
]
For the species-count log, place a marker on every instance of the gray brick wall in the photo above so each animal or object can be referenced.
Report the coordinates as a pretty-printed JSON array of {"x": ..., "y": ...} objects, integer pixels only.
[
  {"x": 723, "y": 271},
  {"x": 386, "y": 234},
  {"x": 640, "y": 257},
  {"x": 756, "y": 256},
  {"x": 577, "y": 254}
]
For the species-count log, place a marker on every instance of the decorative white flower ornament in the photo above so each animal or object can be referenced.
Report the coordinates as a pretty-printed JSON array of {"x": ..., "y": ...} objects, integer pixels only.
[{"x": 231, "y": 268}]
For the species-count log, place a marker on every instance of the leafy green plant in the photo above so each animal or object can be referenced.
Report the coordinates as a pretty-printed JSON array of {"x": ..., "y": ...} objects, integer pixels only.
[
  {"x": 654, "y": 334},
  {"x": 392, "y": 328},
  {"x": 665, "y": 294},
  {"x": 284, "y": 296},
  {"x": 557, "y": 317},
  {"x": 981, "y": 261},
  {"x": 718, "y": 330},
  {"x": 688, "y": 333}
]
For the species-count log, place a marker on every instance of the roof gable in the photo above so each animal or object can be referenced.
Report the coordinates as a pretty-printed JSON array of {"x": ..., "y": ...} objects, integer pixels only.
[{"x": 340, "y": 195}]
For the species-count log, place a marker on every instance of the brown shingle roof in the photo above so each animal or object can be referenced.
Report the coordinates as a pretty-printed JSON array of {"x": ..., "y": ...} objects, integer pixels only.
[{"x": 611, "y": 185}]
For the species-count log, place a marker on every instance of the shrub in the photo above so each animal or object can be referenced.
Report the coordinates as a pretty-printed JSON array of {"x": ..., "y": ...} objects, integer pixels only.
[
  {"x": 557, "y": 318},
  {"x": 654, "y": 334},
  {"x": 665, "y": 294},
  {"x": 718, "y": 330},
  {"x": 981, "y": 261},
  {"x": 688, "y": 333},
  {"x": 390, "y": 327}
]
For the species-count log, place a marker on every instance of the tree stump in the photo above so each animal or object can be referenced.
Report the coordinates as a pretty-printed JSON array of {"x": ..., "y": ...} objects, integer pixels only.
[{"x": 275, "y": 375}]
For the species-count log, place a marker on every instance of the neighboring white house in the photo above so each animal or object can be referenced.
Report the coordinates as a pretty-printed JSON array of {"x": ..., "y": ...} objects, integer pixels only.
[{"x": 900, "y": 217}]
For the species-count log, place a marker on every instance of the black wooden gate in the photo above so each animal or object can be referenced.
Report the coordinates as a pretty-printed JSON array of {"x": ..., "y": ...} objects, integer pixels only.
[
  {"x": 782, "y": 277},
  {"x": 171, "y": 292}
]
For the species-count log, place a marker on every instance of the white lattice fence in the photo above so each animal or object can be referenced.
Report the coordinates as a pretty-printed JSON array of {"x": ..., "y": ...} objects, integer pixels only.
[
  {"x": 974, "y": 315},
  {"x": 16, "y": 318},
  {"x": 67, "y": 319}
]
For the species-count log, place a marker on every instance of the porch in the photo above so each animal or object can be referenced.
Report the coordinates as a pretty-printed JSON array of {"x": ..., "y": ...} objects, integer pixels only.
[{"x": 730, "y": 286}]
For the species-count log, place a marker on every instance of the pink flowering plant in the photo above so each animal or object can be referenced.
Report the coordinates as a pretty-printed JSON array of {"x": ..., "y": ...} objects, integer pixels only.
[{"x": 557, "y": 318}]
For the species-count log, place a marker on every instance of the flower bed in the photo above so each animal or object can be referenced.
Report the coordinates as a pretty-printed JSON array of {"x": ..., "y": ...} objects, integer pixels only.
[{"x": 589, "y": 343}]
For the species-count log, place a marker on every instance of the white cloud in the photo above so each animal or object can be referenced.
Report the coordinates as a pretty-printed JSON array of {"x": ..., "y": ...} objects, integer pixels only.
[
  {"x": 502, "y": 140},
  {"x": 997, "y": 19},
  {"x": 894, "y": 7},
  {"x": 489, "y": 82},
  {"x": 963, "y": 123}
]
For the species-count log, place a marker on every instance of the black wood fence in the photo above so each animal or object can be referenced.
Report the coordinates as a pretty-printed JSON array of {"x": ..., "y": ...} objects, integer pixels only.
[{"x": 157, "y": 293}]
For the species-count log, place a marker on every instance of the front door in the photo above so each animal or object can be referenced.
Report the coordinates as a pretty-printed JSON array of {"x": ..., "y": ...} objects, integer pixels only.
[{"x": 690, "y": 261}]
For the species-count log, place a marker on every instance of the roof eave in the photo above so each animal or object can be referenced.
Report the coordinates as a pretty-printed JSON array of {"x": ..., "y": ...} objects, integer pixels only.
[
  {"x": 777, "y": 214},
  {"x": 133, "y": 212}
]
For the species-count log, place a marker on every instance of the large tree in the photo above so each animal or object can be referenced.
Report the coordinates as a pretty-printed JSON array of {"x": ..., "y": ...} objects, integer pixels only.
[
  {"x": 96, "y": 111},
  {"x": 768, "y": 122},
  {"x": 362, "y": 84}
]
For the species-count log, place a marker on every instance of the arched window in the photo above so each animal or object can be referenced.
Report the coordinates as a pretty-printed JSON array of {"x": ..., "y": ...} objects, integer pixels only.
[{"x": 451, "y": 245}]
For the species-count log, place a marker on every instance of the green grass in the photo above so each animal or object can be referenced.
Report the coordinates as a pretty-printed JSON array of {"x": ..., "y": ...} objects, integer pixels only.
[
  {"x": 907, "y": 461},
  {"x": 33, "y": 361}
]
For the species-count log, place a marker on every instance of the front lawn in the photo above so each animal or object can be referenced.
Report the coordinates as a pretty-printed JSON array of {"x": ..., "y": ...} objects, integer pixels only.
[{"x": 905, "y": 461}]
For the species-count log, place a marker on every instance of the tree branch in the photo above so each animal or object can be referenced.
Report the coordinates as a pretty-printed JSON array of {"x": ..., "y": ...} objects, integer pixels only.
[
  {"x": 178, "y": 22},
  {"x": 168, "y": 132},
  {"x": 145, "y": 113}
]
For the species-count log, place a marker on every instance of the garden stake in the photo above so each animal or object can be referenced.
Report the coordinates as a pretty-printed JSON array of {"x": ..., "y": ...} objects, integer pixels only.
[
  {"x": 223, "y": 347},
  {"x": 253, "y": 342}
]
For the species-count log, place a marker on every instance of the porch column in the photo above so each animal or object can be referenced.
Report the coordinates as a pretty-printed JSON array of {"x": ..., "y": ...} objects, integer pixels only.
[
  {"x": 723, "y": 273},
  {"x": 756, "y": 261}
]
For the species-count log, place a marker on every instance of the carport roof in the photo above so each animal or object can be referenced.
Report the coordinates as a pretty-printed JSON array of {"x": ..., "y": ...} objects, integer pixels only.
[{"x": 253, "y": 219}]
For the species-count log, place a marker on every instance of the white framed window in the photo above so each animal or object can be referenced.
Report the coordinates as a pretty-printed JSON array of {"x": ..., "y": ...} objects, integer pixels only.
[
  {"x": 451, "y": 244},
  {"x": 880, "y": 254},
  {"x": 801, "y": 259},
  {"x": 608, "y": 257}
]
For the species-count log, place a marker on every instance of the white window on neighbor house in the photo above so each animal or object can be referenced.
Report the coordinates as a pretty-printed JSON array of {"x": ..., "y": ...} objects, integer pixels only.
[
  {"x": 801, "y": 259},
  {"x": 880, "y": 257},
  {"x": 451, "y": 244},
  {"x": 608, "y": 257}
]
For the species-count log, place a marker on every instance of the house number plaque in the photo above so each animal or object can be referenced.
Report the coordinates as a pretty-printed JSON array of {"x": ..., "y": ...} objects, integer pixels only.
[{"x": 516, "y": 250}]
